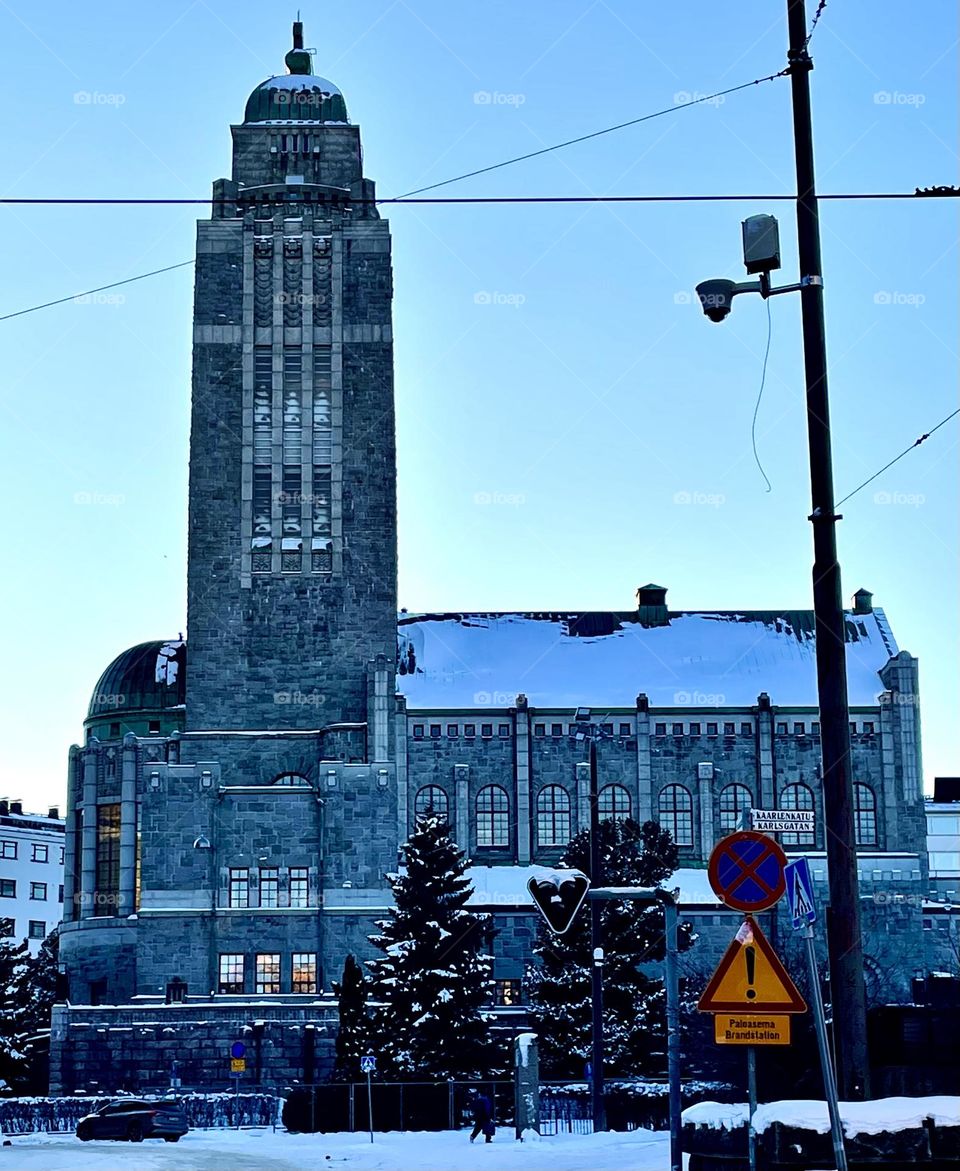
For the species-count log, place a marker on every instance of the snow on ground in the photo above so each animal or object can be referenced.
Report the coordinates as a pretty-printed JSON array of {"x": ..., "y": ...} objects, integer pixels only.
[
  {"x": 886, "y": 1114},
  {"x": 263, "y": 1150}
]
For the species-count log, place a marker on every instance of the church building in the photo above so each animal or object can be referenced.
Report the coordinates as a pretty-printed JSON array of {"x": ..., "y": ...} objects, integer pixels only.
[{"x": 240, "y": 797}]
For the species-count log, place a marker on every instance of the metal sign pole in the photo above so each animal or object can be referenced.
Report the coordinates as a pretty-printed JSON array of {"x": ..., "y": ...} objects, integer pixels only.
[
  {"x": 829, "y": 1081},
  {"x": 370, "y": 1105},
  {"x": 752, "y": 1099},
  {"x": 673, "y": 1032}
]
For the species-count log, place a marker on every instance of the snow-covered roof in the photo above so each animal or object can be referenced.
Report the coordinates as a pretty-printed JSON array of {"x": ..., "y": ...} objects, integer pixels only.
[{"x": 696, "y": 659}]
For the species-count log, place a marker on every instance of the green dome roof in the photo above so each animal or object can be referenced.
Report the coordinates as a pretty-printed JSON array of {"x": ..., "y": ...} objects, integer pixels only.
[
  {"x": 149, "y": 677},
  {"x": 296, "y": 97}
]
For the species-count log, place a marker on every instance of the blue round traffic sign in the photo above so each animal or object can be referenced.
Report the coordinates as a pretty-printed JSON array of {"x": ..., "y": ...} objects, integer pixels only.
[
  {"x": 238, "y": 1049},
  {"x": 746, "y": 871}
]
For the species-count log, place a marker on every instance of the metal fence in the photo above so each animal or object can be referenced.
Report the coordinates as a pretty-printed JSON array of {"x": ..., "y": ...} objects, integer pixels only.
[{"x": 345, "y": 1106}]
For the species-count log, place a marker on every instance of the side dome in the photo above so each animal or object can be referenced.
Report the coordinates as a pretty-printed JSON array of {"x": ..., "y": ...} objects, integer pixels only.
[
  {"x": 149, "y": 678},
  {"x": 296, "y": 97}
]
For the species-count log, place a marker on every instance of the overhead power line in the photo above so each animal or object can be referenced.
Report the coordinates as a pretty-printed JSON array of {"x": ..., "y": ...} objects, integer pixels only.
[
  {"x": 100, "y": 289},
  {"x": 916, "y": 443}
]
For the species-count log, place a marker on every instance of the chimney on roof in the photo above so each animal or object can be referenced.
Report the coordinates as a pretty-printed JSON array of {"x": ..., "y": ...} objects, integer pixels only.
[
  {"x": 4, "y": 807},
  {"x": 863, "y": 602},
  {"x": 54, "y": 813},
  {"x": 652, "y": 605},
  {"x": 16, "y": 807}
]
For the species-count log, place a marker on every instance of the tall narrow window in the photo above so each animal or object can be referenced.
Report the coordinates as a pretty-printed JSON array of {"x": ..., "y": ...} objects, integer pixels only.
[
  {"x": 865, "y": 807},
  {"x": 107, "y": 894},
  {"x": 493, "y": 816},
  {"x": 299, "y": 886},
  {"x": 303, "y": 977},
  {"x": 431, "y": 799},
  {"x": 239, "y": 888},
  {"x": 613, "y": 801},
  {"x": 797, "y": 797},
  {"x": 553, "y": 816},
  {"x": 291, "y": 499},
  {"x": 231, "y": 973},
  {"x": 267, "y": 974},
  {"x": 735, "y": 800},
  {"x": 322, "y": 444},
  {"x": 262, "y": 458},
  {"x": 269, "y": 887},
  {"x": 676, "y": 813}
]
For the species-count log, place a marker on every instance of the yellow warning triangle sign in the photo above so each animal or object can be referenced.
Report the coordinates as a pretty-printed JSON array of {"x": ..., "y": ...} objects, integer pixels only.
[{"x": 751, "y": 978}]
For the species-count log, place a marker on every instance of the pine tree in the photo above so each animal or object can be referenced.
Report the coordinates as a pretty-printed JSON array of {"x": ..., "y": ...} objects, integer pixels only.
[
  {"x": 353, "y": 1035},
  {"x": 435, "y": 975},
  {"x": 632, "y": 935},
  {"x": 15, "y": 963}
]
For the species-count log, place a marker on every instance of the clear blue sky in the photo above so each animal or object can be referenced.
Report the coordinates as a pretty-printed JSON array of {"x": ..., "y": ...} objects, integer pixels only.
[{"x": 551, "y": 438}]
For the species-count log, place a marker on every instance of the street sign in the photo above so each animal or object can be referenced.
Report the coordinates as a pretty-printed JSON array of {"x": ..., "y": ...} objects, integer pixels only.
[
  {"x": 237, "y": 1065},
  {"x": 782, "y": 821},
  {"x": 238, "y": 1049},
  {"x": 368, "y": 1063},
  {"x": 559, "y": 894},
  {"x": 746, "y": 871},
  {"x": 751, "y": 1030},
  {"x": 750, "y": 978},
  {"x": 803, "y": 908}
]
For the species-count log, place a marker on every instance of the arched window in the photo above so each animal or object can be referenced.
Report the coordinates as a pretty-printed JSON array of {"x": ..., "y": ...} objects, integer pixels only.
[
  {"x": 493, "y": 816},
  {"x": 865, "y": 807},
  {"x": 613, "y": 801},
  {"x": 676, "y": 813},
  {"x": 431, "y": 799},
  {"x": 798, "y": 797},
  {"x": 553, "y": 816},
  {"x": 735, "y": 800},
  {"x": 290, "y": 779}
]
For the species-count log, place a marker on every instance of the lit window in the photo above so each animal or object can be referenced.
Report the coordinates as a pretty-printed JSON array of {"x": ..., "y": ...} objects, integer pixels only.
[
  {"x": 431, "y": 799},
  {"x": 613, "y": 801},
  {"x": 797, "y": 797},
  {"x": 299, "y": 886},
  {"x": 267, "y": 980},
  {"x": 735, "y": 800},
  {"x": 676, "y": 814},
  {"x": 231, "y": 974},
  {"x": 865, "y": 806},
  {"x": 239, "y": 888},
  {"x": 107, "y": 894},
  {"x": 493, "y": 816},
  {"x": 507, "y": 993},
  {"x": 38, "y": 929},
  {"x": 303, "y": 972},
  {"x": 269, "y": 887},
  {"x": 38, "y": 890},
  {"x": 553, "y": 816}
]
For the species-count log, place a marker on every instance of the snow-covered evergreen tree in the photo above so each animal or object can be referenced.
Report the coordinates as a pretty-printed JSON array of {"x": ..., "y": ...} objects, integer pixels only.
[
  {"x": 633, "y": 1003},
  {"x": 15, "y": 962},
  {"x": 353, "y": 1034},
  {"x": 28, "y": 986},
  {"x": 435, "y": 976}
]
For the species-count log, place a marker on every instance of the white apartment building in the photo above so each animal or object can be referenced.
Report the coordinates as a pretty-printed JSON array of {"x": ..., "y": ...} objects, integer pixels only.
[{"x": 31, "y": 873}]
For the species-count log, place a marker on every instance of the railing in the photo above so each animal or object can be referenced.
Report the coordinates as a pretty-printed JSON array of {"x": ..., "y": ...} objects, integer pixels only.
[{"x": 343, "y": 1106}]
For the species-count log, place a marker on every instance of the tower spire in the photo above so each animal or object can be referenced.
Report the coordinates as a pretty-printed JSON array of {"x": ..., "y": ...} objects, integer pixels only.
[{"x": 298, "y": 59}]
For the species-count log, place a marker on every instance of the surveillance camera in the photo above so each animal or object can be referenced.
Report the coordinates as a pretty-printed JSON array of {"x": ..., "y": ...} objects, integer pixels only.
[{"x": 716, "y": 297}]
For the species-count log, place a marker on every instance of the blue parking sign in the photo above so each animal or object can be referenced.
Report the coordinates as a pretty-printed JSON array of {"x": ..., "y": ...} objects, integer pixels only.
[{"x": 803, "y": 908}]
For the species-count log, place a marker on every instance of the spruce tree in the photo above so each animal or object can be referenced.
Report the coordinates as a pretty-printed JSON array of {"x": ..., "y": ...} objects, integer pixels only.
[
  {"x": 435, "y": 976},
  {"x": 632, "y": 935},
  {"x": 15, "y": 963},
  {"x": 353, "y": 1034}
]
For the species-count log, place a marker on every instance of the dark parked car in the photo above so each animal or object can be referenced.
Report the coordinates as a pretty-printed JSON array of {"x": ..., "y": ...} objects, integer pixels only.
[{"x": 134, "y": 1120}]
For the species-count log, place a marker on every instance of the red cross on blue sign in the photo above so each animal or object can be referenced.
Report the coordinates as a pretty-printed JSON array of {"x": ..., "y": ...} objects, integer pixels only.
[{"x": 746, "y": 871}]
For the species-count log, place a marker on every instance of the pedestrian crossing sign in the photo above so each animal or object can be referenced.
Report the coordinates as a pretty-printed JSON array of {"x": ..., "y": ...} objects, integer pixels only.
[{"x": 803, "y": 909}]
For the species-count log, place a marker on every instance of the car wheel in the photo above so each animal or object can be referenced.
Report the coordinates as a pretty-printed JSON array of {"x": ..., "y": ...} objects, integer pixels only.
[
  {"x": 171, "y": 1138},
  {"x": 135, "y": 1132},
  {"x": 83, "y": 1135}
]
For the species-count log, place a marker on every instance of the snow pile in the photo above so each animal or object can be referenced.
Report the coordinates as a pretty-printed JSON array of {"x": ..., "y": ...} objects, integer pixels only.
[{"x": 884, "y": 1115}]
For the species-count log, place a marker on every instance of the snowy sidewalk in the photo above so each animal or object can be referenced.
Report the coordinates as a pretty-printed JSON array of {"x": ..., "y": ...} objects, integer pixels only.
[{"x": 262, "y": 1150}]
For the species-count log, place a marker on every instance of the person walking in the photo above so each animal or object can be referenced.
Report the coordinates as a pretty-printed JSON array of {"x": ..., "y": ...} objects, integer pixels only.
[{"x": 482, "y": 1117}]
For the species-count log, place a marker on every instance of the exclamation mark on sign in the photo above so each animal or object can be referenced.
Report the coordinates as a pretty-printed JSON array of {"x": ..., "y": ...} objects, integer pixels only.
[{"x": 750, "y": 955}]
